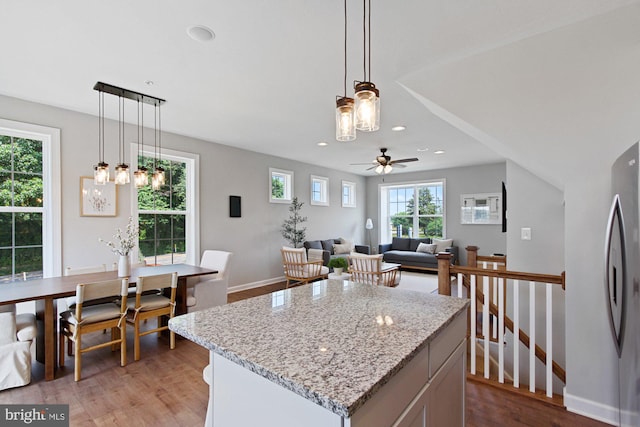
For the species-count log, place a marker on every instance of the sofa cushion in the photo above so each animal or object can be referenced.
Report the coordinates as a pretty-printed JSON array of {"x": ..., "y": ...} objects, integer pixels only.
[
  {"x": 427, "y": 248},
  {"x": 441, "y": 245},
  {"x": 327, "y": 245},
  {"x": 400, "y": 244},
  {"x": 419, "y": 259},
  {"x": 414, "y": 243},
  {"x": 341, "y": 249},
  {"x": 313, "y": 244}
]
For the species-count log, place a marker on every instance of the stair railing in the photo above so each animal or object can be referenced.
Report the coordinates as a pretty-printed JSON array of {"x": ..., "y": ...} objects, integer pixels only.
[{"x": 478, "y": 281}]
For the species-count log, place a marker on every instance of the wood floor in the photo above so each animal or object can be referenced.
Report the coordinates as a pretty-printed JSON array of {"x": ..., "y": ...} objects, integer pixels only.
[{"x": 165, "y": 388}]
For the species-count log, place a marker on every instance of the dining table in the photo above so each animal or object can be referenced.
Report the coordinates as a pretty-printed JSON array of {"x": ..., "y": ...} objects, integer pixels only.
[{"x": 46, "y": 291}]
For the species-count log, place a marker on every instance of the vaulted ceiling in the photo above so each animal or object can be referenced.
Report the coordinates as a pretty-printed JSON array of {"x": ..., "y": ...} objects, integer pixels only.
[{"x": 473, "y": 78}]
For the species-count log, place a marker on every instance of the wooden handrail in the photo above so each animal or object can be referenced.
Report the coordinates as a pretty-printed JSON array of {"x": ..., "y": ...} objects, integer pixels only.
[{"x": 506, "y": 274}]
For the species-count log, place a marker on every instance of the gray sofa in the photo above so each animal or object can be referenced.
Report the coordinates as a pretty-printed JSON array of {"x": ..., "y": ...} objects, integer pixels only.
[
  {"x": 402, "y": 250},
  {"x": 327, "y": 247}
]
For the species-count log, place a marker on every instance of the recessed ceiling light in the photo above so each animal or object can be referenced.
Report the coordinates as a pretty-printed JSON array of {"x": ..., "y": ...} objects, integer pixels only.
[
  {"x": 201, "y": 33},
  {"x": 398, "y": 128},
  {"x": 422, "y": 150},
  {"x": 323, "y": 144},
  {"x": 148, "y": 82},
  {"x": 439, "y": 152}
]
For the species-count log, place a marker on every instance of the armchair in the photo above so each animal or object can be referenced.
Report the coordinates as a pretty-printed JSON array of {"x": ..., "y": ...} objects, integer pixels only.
[
  {"x": 16, "y": 335},
  {"x": 298, "y": 269}
]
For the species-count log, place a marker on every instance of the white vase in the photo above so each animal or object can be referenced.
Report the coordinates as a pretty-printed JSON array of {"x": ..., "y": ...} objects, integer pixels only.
[
  {"x": 337, "y": 270},
  {"x": 124, "y": 266}
]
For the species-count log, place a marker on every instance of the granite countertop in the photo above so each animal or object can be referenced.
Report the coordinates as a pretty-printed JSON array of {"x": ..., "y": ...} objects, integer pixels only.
[{"x": 333, "y": 342}]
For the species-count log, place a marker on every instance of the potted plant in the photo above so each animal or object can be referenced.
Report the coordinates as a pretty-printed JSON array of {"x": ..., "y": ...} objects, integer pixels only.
[{"x": 338, "y": 264}]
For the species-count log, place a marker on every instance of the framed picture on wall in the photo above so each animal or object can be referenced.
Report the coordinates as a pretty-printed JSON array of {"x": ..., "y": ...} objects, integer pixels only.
[{"x": 98, "y": 200}]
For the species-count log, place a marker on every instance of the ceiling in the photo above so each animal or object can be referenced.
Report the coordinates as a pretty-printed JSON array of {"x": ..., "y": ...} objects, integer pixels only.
[{"x": 268, "y": 81}]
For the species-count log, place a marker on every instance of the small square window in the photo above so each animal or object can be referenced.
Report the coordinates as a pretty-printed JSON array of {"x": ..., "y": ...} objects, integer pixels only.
[
  {"x": 348, "y": 194},
  {"x": 280, "y": 186},
  {"x": 319, "y": 190}
]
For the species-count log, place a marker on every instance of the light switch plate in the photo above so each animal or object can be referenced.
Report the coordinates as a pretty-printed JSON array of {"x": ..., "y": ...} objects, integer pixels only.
[{"x": 525, "y": 233}]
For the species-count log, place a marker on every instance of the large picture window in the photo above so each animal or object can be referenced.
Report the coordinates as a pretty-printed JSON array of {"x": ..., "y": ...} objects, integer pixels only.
[
  {"x": 166, "y": 216},
  {"x": 29, "y": 202},
  {"x": 413, "y": 210}
]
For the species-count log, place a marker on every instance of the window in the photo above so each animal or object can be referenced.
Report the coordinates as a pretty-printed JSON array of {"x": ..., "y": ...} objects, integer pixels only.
[
  {"x": 319, "y": 190},
  {"x": 280, "y": 186},
  {"x": 29, "y": 201},
  {"x": 348, "y": 194},
  {"x": 400, "y": 218},
  {"x": 168, "y": 217}
]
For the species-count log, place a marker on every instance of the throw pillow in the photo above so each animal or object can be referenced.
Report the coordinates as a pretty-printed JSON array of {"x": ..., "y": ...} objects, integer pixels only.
[
  {"x": 427, "y": 248},
  {"x": 327, "y": 245},
  {"x": 441, "y": 245},
  {"x": 341, "y": 249},
  {"x": 348, "y": 242}
]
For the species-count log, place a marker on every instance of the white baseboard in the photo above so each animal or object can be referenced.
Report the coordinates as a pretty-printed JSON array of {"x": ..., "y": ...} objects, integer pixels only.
[
  {"x": 588, "y": 408},
  {"x": 245, "y": 286}
]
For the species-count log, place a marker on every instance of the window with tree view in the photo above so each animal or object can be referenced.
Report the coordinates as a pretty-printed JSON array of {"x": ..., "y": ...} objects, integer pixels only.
[
  {"x": 21, "y": 208},
  {"x": 415, "y": 210},
  {"x": 162, "y": 215}
]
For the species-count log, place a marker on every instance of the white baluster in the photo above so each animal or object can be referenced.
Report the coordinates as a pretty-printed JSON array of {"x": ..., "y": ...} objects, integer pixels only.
[
  {"x": 516, "y": 334},
  {"x": 485, "y": 325},
  {"x": 549, "y": 342},
  {"x": 460, "y": 284},
  {"x": 532, "y": 337},
  {"x": 501, "y": 330},
  {"x": 494, "y": 320},
  {"x": 474, "y": 314}
]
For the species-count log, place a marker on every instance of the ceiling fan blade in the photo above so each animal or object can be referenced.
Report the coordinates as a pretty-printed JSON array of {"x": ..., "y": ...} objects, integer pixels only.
[
  {"x": 372, "y": 167},
  {"x": 413, "y": 159},
  {"x": 360, "y": 164},
  {"x": 399, "y": 165}
]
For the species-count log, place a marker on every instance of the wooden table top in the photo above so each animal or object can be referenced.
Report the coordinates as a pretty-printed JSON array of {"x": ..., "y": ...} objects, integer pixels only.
[{"x": 65, "y": 286}]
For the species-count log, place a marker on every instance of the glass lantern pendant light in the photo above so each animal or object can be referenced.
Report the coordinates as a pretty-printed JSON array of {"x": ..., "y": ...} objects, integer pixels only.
[
  {"x": 367, "y": 96},
  {"x": 122, "y": 169},
  {"x": 101, "y": 170},
  {"x": 345, "y": 106},
  {"x": 157, "y": 179},
  {"x": 140, "y": 177}
]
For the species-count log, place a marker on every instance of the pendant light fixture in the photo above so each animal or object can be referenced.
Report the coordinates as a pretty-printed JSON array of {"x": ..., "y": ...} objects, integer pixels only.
[
  {"x": 367, "y": 96},
  {"x": 122, "y": 169},
  {"x": 345, "y": 106},
  {"x": 157, "y": 180},
  {"x": 101, "y": 170},
  {"x": 140, "y": 177}
]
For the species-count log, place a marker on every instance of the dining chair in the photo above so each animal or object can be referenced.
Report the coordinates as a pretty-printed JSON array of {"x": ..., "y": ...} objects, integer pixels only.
[
  {"x": 368, "y": 269},
  {"x": 210, "y": 290},
  {"x": 17, "y": 332},
  {"x": 85, "y": 319},
  {"x": 69, "y": 303},
  {"x": 298, "y": 269},
  {"x": 146, "y": 306}
]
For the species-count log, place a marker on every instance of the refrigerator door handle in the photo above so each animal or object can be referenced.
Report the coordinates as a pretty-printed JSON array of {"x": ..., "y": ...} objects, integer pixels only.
[{"x": 616, "y": 271}]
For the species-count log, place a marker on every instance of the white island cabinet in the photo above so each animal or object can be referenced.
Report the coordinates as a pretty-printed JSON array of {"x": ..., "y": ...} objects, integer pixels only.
[{"x": 334, "y": 353}]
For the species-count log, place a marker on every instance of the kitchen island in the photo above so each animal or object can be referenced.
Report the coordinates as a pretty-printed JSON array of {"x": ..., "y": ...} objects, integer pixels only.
[{"x": 334, "y": 353}]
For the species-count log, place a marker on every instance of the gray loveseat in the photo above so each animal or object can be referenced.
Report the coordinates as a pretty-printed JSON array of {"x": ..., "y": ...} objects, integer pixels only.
[
  {"x": 330, "y": 248},
  {"x": 403, "y": 250}
]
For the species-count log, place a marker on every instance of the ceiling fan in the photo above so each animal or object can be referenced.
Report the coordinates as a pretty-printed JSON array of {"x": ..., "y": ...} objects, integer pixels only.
[{"x": 384, "y": 164}]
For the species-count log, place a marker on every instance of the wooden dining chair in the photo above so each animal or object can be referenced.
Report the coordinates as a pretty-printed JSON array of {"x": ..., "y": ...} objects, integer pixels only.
[
  {"x": 368, "y": 269},
  {"x": 298, "y": 269},
  {"x": 146, "y": 306},
  {"x": 85, "y": 319}
]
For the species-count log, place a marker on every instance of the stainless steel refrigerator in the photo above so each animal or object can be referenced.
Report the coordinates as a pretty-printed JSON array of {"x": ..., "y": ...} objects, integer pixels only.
[{"x": 622, "y": 282}]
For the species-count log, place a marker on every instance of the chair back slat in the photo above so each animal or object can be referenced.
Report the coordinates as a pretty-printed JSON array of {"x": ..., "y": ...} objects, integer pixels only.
[
  {"x": 158, "y": 281},
  {"x": 96, "y": 290}
]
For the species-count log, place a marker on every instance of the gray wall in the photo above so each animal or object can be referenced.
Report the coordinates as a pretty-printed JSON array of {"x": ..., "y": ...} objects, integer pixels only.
[
  {"x": 254, "y": 238},
  {"x": 462, "y": 180}
]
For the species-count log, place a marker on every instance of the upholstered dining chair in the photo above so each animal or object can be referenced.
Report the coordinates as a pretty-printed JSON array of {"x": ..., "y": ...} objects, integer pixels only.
[
  {"x": 85, "y": 319},
  {"x": 298, "y": 269},
  {"x": 146, "y": 306},
  {"x": 17, "y": 332},
  {"x": 368, "y": 269},
  {"x": 210, "y": 290}
]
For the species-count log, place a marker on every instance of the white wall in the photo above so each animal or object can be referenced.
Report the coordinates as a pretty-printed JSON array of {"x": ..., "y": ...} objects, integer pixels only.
[
  {"x": 254, "y": 238},
  {"x": 462, "y": 180}
]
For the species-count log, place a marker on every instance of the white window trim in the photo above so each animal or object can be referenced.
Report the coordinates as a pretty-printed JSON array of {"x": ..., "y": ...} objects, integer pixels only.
[
  {"x": 288, "y": 185},
  {"x": 383, "y": 207},
  {"x": 352, "y": 194},
  {"x": 51, "y": 191},
  {"x": 192, "y": 220},
  {"x": 324, "y": 190}
]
